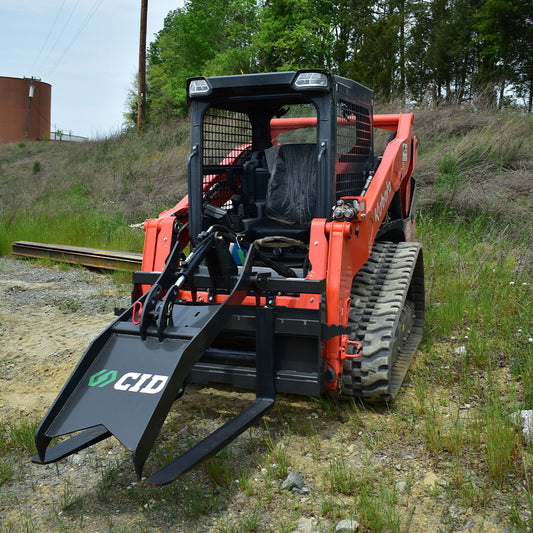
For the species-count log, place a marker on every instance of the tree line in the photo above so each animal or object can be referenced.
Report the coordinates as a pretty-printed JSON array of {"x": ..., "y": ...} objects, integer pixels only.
[{"x": 425, "y": 52}]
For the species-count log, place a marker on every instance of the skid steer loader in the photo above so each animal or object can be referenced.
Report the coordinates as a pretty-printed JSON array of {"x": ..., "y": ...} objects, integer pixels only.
[{"x": 289, "y": 267}]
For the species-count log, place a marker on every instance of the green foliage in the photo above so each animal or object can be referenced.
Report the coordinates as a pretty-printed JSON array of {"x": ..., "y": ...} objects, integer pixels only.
[
  {"x": 16, "y": 440},
  {"x": 295, "y": 34},
  {"x": 435, "y": 50},
  {"x": 505, "y": 32},
  {"x": 449, "y": 178},
  {"x": 502, "y": 442},
  {"x": 203, "y": 37}
]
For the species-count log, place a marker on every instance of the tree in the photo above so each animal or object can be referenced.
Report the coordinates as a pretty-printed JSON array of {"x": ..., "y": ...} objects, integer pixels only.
[
  {"x": 506, "y": 35},
  {"x": 205, "y": 37},
  {"x": 295, "y": 34},
  {"x": 444, "y": 50},
  {"x": 443, "y": 55}
]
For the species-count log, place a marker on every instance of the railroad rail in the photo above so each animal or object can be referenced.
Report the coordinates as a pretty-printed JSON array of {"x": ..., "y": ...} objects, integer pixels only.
[{"x": 92, "y": 257}]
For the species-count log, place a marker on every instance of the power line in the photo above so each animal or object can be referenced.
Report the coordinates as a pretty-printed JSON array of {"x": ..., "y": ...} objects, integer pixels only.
[
  {"x": 82, "y": 26},
  {"x": 61, "y": 32},
  {"x": 36, "y": 62}
]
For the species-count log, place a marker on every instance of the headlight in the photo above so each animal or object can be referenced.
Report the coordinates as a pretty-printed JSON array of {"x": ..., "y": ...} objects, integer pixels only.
[
  {"x": 308, "y": 80},
  {"x": 199, "y": 87}
]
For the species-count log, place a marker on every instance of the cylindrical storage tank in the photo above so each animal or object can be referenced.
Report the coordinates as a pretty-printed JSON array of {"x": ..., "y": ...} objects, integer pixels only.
[{"x": 24, "y": 109}]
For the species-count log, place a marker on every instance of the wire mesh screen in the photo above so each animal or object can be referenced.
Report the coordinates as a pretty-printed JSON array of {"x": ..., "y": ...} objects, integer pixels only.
[
  {"x": 226, "y": 146},
  {"x": 223, "y": 132},
  {"x": 354, "y": 148}
]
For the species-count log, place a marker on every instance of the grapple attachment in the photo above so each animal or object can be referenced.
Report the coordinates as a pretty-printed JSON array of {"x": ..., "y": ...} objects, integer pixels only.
[{"x": 131, "y": 374}]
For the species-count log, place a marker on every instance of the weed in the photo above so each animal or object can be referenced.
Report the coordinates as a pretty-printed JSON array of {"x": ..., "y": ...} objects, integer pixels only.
[
  {"x": 377, "y": 508},
  {"x": 219, "y": 468},
  {"x": 70, "y": 499},
  {"x": 280, "y": 458},
  {"x": 247, "y": 522},
  {"x": 355, "y": 417},
  {"x": 108, "y": 474},
  {"x": 69, "y": 305},
  {"x": 450, "y": 178},
  {"x": 18, "y": 437},
  {"x": 245, "y": 483},
  {"x": 342, "y": 478},
  {"x": 199, "y": 501},
  {"x": 502, "y": 443},
  {"x": 522, "y": 515},
  {"x": 7, "y": 470},
  {"x": 472, "y": 492},
  {"x": 331, "y": 508}
]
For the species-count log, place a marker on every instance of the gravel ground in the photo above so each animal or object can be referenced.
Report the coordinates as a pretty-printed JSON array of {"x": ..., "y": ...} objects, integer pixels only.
[{"x": 48, "y": 316}]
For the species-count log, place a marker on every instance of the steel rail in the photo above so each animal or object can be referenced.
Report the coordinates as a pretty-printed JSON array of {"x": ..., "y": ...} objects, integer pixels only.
[{"x": 92, "y": 257}]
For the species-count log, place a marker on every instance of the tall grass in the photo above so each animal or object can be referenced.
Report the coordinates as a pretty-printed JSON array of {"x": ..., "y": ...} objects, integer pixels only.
[
  {"x": 86, "y": 194},
  {"x": 91, "y": 229},
  {"x": 479, "y": 292},
  {"x": 477, "y": 163}
]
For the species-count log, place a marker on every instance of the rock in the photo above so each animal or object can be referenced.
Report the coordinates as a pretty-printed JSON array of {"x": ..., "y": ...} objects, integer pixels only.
[
  {"x": 401, "y": 486},
  {"x": 305, "y": 525},
  {"x": 431, "y": 481},
  {"x": 293, "y": 481},
  {"x": 525, "y": 419},
  {"x": 347, "y": 526}
]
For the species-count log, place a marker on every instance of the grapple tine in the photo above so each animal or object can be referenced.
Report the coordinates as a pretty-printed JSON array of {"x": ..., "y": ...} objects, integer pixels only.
[{"x": 74, "y": 444}]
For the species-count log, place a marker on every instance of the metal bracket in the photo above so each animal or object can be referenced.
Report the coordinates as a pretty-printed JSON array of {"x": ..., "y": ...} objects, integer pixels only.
[{"x": 334, "y": 330}]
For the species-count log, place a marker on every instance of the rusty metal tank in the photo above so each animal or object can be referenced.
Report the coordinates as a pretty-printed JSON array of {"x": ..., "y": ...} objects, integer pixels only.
[{"x": 24, "y": 109}]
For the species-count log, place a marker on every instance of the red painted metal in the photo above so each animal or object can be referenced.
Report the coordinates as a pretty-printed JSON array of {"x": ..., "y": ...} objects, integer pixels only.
[{"x": 337, "y": 249}]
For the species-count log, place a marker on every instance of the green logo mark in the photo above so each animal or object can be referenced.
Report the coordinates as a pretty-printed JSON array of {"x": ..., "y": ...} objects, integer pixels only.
[{"x": 102, "y": 378}]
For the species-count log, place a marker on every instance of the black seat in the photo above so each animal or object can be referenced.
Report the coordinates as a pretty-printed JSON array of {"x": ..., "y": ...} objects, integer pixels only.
[{"x": 291, "y": 194}]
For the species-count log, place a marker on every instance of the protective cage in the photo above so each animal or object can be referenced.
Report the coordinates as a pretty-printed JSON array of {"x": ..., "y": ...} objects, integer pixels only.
[
  {"x": 236, "y": 123},
  {"x": 241, "y": 154}
]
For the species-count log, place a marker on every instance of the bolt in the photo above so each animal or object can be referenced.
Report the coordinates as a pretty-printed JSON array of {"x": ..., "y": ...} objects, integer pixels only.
[{"x": 316, "y": 243}]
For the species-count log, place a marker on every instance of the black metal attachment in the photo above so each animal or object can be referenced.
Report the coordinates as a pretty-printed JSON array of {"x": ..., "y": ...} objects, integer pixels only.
[
  {"x": 265, "y": 397},
  {"x": 131, "y": 374}
]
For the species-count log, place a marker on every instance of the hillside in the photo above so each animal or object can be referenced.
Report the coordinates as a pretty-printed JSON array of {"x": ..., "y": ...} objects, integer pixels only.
[{"x": 78, "y": 193}]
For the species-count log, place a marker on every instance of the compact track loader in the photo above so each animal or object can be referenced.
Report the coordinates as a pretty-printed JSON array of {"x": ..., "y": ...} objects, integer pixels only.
[{"x": 290, "y": 267}]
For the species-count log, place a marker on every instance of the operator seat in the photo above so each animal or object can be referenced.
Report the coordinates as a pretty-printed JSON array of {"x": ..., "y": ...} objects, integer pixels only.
[{"x": 291, "y": 195}]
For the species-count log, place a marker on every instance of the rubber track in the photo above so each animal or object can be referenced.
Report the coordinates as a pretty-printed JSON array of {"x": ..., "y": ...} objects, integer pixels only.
[{"x": 387, "y": 289}]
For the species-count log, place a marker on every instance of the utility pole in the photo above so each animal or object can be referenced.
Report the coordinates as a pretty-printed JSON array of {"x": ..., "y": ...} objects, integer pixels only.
[{"x": 141, "y": 82}]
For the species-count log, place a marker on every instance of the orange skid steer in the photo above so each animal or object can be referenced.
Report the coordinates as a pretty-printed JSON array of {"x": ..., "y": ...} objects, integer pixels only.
[{"x": 301, "y": 275}]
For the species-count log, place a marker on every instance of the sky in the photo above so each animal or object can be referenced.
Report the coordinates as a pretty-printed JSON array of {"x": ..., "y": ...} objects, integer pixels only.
[{"x": 88, "y": 50}]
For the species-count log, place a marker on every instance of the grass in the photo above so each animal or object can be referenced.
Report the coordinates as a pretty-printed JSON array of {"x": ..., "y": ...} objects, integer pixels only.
[
  {"x": 16, "y": 444},
  {"x": 86, "y": 194},
  {"x": 451, "y": 419}
]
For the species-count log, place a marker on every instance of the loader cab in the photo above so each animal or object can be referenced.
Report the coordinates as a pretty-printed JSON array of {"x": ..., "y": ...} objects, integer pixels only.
[{"x": 271, "y": 152}]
